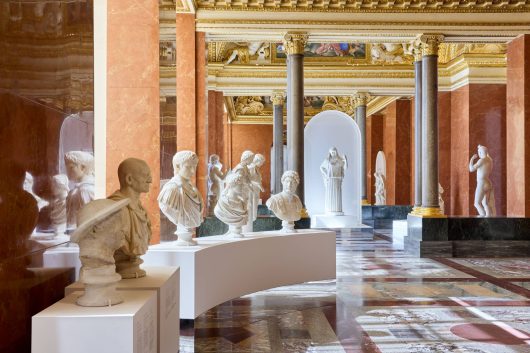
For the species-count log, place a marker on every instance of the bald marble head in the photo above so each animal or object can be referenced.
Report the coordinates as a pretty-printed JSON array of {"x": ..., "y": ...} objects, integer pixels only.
[{"x": 134, "y": 174}]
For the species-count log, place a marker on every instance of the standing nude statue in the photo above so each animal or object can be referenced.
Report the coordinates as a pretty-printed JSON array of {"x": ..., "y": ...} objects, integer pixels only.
[
  {"x": 215, "y": 182},
  {"x": 484, "y": 196}
]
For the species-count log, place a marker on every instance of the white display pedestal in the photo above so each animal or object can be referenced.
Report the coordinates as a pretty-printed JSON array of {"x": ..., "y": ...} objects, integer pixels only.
[
  {"x": 336, "y": 221},
  {"x": 399, "y": 232},
  {"x": 165, "y": 281},
  {"x": 129, "y": 327},
  {"x": 222, "y": 268},
  {"x": 63, "y": 256}
]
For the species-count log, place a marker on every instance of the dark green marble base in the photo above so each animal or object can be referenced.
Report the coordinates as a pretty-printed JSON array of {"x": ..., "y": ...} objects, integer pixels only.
[
  {"x": 468, "y": 237},
  {"x": 381, "y": 217},
  {"x": 213, "y": 226}
]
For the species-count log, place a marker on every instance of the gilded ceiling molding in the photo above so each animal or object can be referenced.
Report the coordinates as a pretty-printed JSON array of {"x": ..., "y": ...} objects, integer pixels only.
[
  {"x": 430, "y": 43},
  {"x": 294, "y": 43}
]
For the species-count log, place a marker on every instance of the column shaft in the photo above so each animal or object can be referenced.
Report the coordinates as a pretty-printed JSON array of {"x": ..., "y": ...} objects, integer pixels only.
[
  {"x": 417, "y": 133},
  {"x": 277, "y": 143},
  {"x": 360, "y": 116},
  {"x": 295, "y": 113},
  {"x": 430, "y": 131}
]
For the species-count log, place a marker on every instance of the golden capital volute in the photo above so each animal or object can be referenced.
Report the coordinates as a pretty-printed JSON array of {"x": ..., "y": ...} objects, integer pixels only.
[
  {"x": 294, "y": 43},
  {"x": 278, "y": 98},
  {"x": 417, "y": 49},
  {"x": 360, "y": 99},
  {"x": 430, "y": 43}
]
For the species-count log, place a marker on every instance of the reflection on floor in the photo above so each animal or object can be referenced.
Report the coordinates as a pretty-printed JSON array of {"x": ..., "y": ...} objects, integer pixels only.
[{"x": 382, "y": 301}]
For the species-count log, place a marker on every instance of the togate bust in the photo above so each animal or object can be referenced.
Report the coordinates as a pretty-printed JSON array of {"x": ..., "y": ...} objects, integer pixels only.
[
  {"x": 286, "y": 205},
  {"x": 80, "y": 170},
  {"x": 180, "y": 200},
  {"x": 99, "y": 234},
  {"x": 232, "y": 207},
  {"x": 135, "y": 179}
]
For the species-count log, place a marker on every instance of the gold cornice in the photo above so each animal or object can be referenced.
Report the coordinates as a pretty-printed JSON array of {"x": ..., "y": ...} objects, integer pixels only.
[
  {"x": 379, "y": 103},
  {"x": 294, "y": 42}
]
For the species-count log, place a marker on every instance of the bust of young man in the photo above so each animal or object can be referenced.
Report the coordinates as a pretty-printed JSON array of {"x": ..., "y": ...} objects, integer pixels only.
[
  {"x": 80, "y": 170},
  {"x": 286, "y": 205},
  {"x": 135, "y": 178}
]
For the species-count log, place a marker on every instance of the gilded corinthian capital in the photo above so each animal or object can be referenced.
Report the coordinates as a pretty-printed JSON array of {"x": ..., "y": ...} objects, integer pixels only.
[
  {"x": 416, "y": 49},
  {"x": 277, "y": 97},
  {"x": 294, "y": 43},
  {"x": 430, "y": 43},
  {"x": 361, "y": 99}
]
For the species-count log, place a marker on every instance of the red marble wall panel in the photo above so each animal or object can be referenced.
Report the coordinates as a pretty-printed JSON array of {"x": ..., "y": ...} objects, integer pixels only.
[
  {"x": 459, "y": 201},
  {"x": 518, "y": 127},
  {"x": 412, "y": 151},
  {"x": 444, "y": 147},
  {"x": 374, "y": 144},
  {"x": 133, "y": 124},
  {"x": 201, "y": 114},
  {"x": 389, "y": 147},
  {"x": 258, "y": 139},
  {"x": 403, "y": 165}
]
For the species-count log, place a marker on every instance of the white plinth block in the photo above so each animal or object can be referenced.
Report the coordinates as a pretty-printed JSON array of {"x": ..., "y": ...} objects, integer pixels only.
[
  {"x": 129, "y": 327},
  {"x": 165, "y": 281},
  {"x": 222, "y": 268}
]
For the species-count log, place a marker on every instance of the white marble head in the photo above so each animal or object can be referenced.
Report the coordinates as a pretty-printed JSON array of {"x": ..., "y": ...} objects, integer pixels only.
[
  {"x": 290, "y": 181},
  {"x": 78, "y": 164},
  {"x": 482, "y": 151},
  {"x": 332, "y": 152},
  {"x": 258, "y": 160},
  {"x": 214, "y": 159},
  {"x": 185, "y": 164},
  {"x": 134, "y": 173},
  {"x": 247, "y": 157}
]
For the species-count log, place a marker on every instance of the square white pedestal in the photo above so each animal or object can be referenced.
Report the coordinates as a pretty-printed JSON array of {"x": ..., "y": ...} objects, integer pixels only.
[
  {"x": 129, "y": 327},
  {"x": 165, "y": 281}
]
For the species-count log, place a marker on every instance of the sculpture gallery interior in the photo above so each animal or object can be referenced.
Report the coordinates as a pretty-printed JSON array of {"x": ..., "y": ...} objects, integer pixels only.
[{"x": 284, "y": 176}]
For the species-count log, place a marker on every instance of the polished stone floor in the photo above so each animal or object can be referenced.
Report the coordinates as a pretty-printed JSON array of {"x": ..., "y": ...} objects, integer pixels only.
[{"x": 382, "y": 301}]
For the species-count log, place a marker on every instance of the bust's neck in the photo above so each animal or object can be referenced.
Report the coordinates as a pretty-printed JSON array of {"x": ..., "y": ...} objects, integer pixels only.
[{"x": 130, "y": 193}]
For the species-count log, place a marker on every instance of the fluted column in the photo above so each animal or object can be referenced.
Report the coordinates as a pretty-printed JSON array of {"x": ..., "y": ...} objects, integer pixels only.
[
  {"x": 360, "y": 100},
  {"x": 294, "y": 47},
  {"x": 429, "y": 175},
  {"x": 417, "y": 126},
  {"x": 277, "y": 99}
]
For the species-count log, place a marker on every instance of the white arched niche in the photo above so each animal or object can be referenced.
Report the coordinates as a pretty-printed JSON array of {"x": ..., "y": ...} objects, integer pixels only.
[{"x": 325, "y": 130}]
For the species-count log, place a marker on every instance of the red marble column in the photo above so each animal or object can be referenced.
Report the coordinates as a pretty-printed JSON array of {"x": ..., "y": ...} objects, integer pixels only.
[
  {"x": 444, "y": 147},
  {"x": 518, "y": 127},
  {"x": 478, "y": 116},
  {"x": 133, "y": 119},
  {"x": 397, "y": 147},
  {"x": 374, "y": 144},
  {"x": 201, "y": 113},
  {"x": 215, "y": 123}
]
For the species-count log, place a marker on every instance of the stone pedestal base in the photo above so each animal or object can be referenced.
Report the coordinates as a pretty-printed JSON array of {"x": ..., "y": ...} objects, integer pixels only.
[{"x": 335, "y": 221}]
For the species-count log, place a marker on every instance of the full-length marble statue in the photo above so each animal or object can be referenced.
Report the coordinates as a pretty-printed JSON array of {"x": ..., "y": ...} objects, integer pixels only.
[
  {"x": 215, "y": 182},
  {"x": 180, "y": 200},
  {"x": 59, "y": 186},
  {"x": 332, "y": 169},
  {"x": 80, "y": 170},
  {"x": 255, "y": 185},
  {"x": 380, "y": 191},
  {"x": 99, "y": 234},
  {"x": 440, "y": 198},
  {"x": 232, "y": 207},
  {"x": 286, "y": 205},
  {"x": 135, "y": 178},
  {"x": 484, "y": 195},
  {"x": 247, "y": 157}
]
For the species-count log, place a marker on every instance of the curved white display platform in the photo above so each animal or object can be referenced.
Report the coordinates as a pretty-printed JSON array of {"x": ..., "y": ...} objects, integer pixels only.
[{"x": 221, "y": 268}]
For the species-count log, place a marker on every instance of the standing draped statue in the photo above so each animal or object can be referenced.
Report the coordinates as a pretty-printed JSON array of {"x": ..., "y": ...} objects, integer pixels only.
[
  {"x": 484, "y": 196},
  {"x": 380, "y": 192},
  {"x": 255, "y": 185},
  {"x": 332, "y": 169}
]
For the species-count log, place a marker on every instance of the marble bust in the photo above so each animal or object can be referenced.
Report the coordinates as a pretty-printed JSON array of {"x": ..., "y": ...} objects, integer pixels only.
[
  {"x": 247, "y": 157},
  {"x": 215, "y": 182},
  {"x": 180, "y": 200},
  {"x": 59, "y": 187},
  {"x": 135, "y": 178},
  {"x": 332, "y": 169},
  {"x": 80, "y": 170},
  {"x": 255, "y": 185},
  {"x": 380, "y": 192},
  {"x": 484, "y": 195},
  {"x": 232, "y": 207},
  {"x": 99, "y": 234},
  {"x": 286, "y": 205}
]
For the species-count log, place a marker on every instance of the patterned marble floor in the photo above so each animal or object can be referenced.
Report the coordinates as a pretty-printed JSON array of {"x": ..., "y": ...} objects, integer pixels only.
[{"x": 382, "y": 301}]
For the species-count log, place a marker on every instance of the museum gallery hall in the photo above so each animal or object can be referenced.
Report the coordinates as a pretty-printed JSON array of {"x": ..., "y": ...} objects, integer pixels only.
[{"x": 280, "y": 176}]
